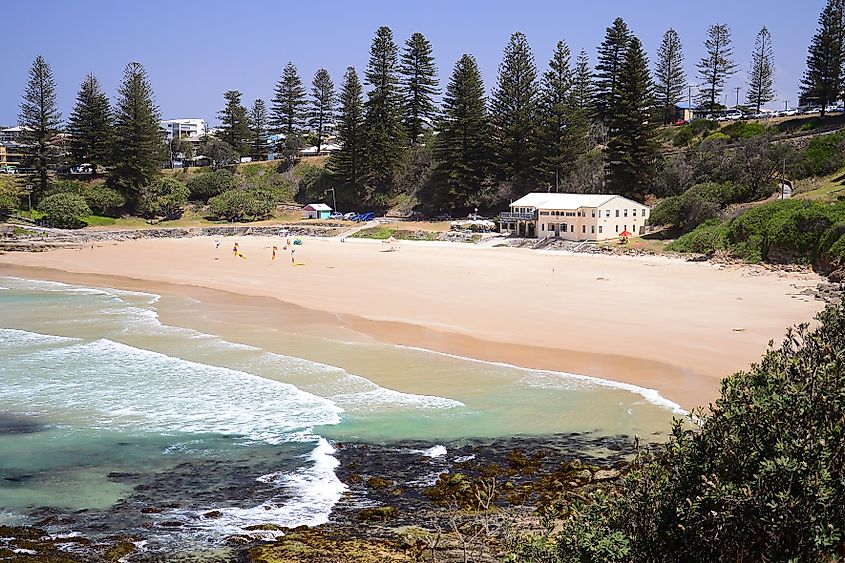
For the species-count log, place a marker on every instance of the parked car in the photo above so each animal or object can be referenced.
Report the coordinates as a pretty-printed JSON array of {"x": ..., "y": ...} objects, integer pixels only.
[
  {"x": 681, "y": 122},
  {"x": 364, "y": 217},
  {"x": 733, "y": 114},
  {"x": 792, "y": 111},
  {"x": 351, "y": 216}
]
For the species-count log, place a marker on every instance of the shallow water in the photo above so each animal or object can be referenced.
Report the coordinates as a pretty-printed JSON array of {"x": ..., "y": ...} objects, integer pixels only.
[{"x": 107, "y": 409}]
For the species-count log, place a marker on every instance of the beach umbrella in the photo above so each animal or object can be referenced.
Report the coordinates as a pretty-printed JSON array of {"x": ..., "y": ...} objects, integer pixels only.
[{"x": 625, "y": 234}]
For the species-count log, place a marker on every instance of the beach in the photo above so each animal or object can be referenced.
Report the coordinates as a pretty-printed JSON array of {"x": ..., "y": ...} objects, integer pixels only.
[{"x": 654, "y": 322}]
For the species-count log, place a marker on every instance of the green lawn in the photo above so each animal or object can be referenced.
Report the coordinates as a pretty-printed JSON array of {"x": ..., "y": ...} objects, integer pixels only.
[{"x": 828, "y": 189}]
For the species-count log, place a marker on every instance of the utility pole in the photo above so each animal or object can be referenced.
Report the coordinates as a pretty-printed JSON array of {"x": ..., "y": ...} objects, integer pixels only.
[{"x": 737, "y": 96}]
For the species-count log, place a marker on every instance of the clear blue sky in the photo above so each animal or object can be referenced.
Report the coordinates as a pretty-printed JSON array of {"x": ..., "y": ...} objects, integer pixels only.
[{"x": 195, "y": 50}]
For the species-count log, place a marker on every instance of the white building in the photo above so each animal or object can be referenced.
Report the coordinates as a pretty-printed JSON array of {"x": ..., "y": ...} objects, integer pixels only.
[
  {"x": 188, "y": 129},
  {"x": 576, "y": 217}
]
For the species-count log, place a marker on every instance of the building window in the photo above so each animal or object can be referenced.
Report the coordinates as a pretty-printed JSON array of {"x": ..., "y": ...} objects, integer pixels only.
[
  {"x": 617, "y": 213},
  {"x": 583, "y": 228},
  {"x": 626, "y": 213},
  {"x": 572, "y": 228},
  {"x": 607, "y": 213},
  {"x": 617, "y": 228},
  {"x": 594, "y": 213},
  {"x": 543, "y": 227},
  {"x": 645, "y": 212},
  {"x": 599, "y": 229},
  {"x": 634, "y": 211},
  {"x": 593, "y": 229}
]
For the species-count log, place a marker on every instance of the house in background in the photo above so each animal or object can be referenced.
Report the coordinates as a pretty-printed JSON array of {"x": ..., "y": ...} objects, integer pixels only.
[
  {"x": 316, "y": 211},
  {"x": 191, "y": 129},
  {"x": 576, "y": 217}
]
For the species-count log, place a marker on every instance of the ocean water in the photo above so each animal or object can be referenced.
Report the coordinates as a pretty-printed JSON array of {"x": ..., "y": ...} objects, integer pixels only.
[{"x": 112, "y": 419}]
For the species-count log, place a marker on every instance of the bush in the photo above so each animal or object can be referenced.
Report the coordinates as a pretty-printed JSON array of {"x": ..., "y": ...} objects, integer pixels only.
[
  {"x": 165, "y": 197},
  {"x": 825, "y": 154},
  {"x": 744, "y": 129},
  {"x": 11, "y": 194},
  {"x": 103, "y": 199},
  {"x": 209, "y": 184},
  {"x": 702, "y": 126},
  {"x": 707, "y": 237},
  {"x": 762, "y": 477},
  {"x": 683, "y": 136},
  {"x": 64, "y": 210},
  {"x": 717, "y": 136},
  {"x": 667, "y": 211},
  {"x": 240, "y": 205}
]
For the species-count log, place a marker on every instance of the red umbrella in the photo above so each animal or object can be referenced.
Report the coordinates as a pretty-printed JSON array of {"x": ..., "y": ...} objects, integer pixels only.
[{"x": 624, "y": 233}]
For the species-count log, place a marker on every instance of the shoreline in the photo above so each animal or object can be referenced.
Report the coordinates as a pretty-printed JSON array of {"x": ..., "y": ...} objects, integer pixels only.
[{"x": 435, "y": 325}]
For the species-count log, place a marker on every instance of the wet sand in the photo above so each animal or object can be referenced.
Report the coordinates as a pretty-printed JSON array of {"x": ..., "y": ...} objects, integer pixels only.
[{"x": 655, "y": 322}]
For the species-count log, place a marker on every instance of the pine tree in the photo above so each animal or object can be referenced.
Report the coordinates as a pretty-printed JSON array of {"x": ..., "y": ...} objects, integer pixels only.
[
  {"x": 582, "y": 88},
  {"x": 461, "y": 148},
  {"x": 669, "y": 75},
  {"x": 40, "y": 121},
  {"x": 559, "y": 141},
  {"x": 322, "y": 104},
  {"x": 515, "y": 117},
  {"x": 234, "y": 124},
  {"x": 822, "y": 82},
  {"x": 288, "y": 110},
  {"x": 383, "y": 120},
  {"x": 610, "y": 57},
  {"x": 258, "y": 130},
  {"x": 419, "y": 79},
  {"x": 347, "y": 164},
  {"x": 90, "y": 126},
  {"x": 715, "y": 69},
  {"x": 138, "y": 141},
  {"x": 632, "y": 148},
  {"x": 761, "y": 81}
]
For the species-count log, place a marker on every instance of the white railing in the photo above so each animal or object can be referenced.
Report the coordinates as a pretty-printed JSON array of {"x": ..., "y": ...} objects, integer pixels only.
[{"x": 514, "y": 216}]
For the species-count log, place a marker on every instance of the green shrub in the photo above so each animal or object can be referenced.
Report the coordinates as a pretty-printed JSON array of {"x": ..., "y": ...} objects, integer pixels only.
[
  {"x": 240, "y": 205},
  {"x": 710, "y": 235},
  {"x": 683, "y": 136},
  {"x": 717, "y": 136},
  {"x": 11, "y": 193},
  {"x": 702, "y": 126},
  {"x": 762, "y": 476},
  {"x": 667, "y": 211},
  {"x": 825, "y": 154},
  {"x": 64, "y": 210},
  {"x": 744, "y": 129},
  {"x": 103, "y": 199},
  {"x": 209, "y": 184},
  {"x": 165, "y": 197}
]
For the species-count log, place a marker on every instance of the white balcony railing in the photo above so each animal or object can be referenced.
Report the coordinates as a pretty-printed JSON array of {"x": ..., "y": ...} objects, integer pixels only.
[{"x": 514, "y": 216}]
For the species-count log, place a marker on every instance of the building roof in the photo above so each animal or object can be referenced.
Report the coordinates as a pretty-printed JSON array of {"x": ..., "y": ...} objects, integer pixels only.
[
  {"x": 317, "y": 207},
  {"x": 543, "y": 200}
]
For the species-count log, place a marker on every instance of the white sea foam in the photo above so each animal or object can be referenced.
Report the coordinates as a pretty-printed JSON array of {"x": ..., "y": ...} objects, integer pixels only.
[
  {"x": 310, "y": 494},
  {"x": 653, "y": 396},
  {"x": 435, "y": 451},
  {"x": 13, "y": 338},
  {"x": 128, "y": 387}
]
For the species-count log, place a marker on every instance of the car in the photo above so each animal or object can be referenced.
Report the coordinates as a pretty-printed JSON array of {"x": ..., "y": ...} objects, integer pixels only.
[
  {"x": 364, "y": 217},
  {"x": 681, "y": 122},
  {"x": 733, "y": 114},
  {"x": 336, "y": 215},
  {"x": 351, "y": 216},
  {"x": 792, "y": 111}
]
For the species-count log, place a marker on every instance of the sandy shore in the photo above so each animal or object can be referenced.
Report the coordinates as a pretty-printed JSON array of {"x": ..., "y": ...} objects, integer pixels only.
[{"x": 655, "y": 322}]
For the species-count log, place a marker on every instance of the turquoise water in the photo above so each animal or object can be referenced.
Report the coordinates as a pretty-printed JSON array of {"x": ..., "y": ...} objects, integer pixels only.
[{"x": 106, "y": 409}]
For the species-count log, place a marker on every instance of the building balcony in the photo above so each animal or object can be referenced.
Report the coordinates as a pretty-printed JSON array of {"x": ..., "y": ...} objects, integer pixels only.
[{"x": 507, "y": 216}]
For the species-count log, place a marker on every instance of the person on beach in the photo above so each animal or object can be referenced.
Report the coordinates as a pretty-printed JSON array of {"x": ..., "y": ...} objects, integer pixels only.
[
  {"x": 292, "y": 261},
  {"x": 217, "y": 244},
  {"x": 235, "y": 250},
  {"x": 275, "y": 248}
]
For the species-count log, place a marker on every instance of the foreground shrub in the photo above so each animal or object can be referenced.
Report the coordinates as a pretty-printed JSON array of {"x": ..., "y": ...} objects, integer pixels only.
[
  {"x": 763, "y": 476},
  {"x": 64, "y": 210}
]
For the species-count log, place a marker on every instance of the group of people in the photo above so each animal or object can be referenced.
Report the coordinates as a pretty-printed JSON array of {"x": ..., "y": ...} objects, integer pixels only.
[{"x": 236, "y": 250}]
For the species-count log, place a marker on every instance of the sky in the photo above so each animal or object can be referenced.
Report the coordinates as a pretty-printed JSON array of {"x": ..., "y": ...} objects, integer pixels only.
[{"x": 194, "y": 50}]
